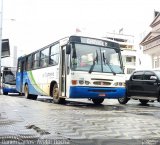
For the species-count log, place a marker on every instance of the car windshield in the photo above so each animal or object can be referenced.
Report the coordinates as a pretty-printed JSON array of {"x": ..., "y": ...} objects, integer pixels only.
[{"x": 95, "y": 59}]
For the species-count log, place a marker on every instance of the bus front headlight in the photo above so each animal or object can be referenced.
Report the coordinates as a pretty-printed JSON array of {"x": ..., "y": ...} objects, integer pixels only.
[
  {"x": 119, "y": 84},
  {"x": 87, "y": 82},
  {"x": 81, "y": 82}
]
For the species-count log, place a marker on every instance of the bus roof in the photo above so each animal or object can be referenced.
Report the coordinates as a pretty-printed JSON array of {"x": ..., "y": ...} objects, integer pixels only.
[{"x": 74, "y": 38}]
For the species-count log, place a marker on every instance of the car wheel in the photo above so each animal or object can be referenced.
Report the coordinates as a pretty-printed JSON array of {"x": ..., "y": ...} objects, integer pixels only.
[
  {"x": 123, "y": 100},
  {"x": 143, "y": 102},
  {"x": 98, "y": 101}
]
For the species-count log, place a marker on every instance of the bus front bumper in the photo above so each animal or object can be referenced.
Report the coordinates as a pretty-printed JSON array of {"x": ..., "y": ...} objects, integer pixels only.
[
  {"x": 97, "y": 92},
  {"x": 10, "y": 90}
]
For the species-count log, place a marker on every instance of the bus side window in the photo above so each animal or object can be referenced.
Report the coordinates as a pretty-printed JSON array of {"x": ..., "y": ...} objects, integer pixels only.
[
  {"x": 29, "y": 62},
  {"x": 19, "y": 66},
  {"x": 36, "y": 60},
  {"x": 54, "y": 55},
  {"x": 44, "y": 57}
]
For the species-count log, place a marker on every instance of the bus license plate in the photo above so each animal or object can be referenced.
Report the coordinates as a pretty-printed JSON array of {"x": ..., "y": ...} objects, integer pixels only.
[{"x": 102, "y": 95}]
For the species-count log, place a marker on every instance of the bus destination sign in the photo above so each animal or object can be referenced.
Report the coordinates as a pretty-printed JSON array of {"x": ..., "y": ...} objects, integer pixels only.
[{"x": 94, "y": 41}]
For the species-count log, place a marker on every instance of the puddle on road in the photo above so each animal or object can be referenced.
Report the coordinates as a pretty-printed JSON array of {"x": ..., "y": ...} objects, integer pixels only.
[
  {"x": 87, "y": 105},
  {"x": 4, "y": 119},
  {"x": 93, "y": 106},
  {"x": 145, "y": 113},
  {"x": 37, "y": 129},
  {"x": 3, "y": 115},
  {"x": 153, "y": 114},
  {"x": 45, "y": 100},
  {"x": 129, "y": 108}
]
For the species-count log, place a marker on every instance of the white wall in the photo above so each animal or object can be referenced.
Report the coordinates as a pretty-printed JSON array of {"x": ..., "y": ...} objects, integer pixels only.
[
  {"x": 12, "y": 60},
  {"x": 146, "y": 62}
]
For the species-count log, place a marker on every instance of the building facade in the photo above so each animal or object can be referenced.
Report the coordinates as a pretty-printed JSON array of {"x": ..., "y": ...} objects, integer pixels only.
[{"x": 151, "y": 43}]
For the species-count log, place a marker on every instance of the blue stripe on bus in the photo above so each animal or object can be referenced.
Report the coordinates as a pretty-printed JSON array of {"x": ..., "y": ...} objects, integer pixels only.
[
  {"x": 32, "y": 89},
  {"x": 96, "y": 92}
]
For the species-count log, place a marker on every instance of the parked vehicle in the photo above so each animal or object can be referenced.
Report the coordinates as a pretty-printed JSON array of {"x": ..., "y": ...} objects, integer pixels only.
[
  {"x": 9, "y": 80},
  {"x": 143, "y": 85}
]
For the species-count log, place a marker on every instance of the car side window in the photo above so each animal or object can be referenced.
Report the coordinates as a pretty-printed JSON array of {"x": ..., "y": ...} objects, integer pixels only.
[
  {"x": 137, "y": 75},
  {"x": 147, "y": 75}
]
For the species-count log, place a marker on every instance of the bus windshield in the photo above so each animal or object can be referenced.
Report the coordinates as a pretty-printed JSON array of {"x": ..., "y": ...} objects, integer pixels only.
[
  {"x": 95, "y": 59},
  {"x": 9, "y": 76}
]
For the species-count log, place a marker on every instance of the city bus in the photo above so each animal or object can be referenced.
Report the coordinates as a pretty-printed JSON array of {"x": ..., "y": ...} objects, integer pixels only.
[
  {"x": 9, "y": 80},
  {"x": 76, "y": 67}
]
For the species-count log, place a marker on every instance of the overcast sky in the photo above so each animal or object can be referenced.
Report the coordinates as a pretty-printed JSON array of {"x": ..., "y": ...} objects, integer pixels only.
[{"x": 35, "y": 23}]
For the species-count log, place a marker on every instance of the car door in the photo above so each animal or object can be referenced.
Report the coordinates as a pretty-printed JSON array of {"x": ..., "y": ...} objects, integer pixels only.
[
  {"x": 135, "y": 84},
  {"x": 150, "y": 85}
]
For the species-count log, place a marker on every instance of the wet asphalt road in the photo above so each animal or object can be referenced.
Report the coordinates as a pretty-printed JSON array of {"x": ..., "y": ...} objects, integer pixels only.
[{"x": 78, "y": 121}]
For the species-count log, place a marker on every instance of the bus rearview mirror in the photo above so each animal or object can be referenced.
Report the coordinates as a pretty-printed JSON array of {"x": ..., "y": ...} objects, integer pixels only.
[{"x": 68, "y": 49}]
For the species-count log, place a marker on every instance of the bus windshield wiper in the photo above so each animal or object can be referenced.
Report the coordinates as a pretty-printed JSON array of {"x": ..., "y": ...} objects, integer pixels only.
[
  {"x": 94, "y": 62},
  {"x": 105, "y": 60}
]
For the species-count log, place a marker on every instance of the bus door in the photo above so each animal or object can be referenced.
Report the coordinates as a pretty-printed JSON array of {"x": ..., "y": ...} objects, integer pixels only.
[
  {"x": 19, "y": 79},
  {"x": 63, "y": 72}
]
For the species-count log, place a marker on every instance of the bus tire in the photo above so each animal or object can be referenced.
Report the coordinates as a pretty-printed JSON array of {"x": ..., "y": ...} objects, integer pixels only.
[
  {"x": 55, "y": 95},
  {"x": 98, "y": 101},
  {"x": 26, "y": 92},
  {"x": 123, "y": 100},
  {"x": 21, "y": 94},
  {"x": 34, "y": 97},
  {"x": 5, "y": 93}
]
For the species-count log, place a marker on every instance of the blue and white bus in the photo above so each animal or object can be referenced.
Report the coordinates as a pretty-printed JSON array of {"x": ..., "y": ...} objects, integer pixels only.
[
  {"x": 73, "y": 67},
  {"x": 9, "y": 80}
]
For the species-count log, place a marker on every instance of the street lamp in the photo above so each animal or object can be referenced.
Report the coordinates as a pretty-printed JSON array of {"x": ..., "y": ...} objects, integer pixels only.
[{"x": 1, "y": 16}]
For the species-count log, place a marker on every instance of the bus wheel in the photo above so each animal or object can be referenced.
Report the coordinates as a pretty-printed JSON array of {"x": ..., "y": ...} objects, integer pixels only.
[
  {"x": 123, "y": 100},
  {"x": 34, "y": 97},
  {"x": 98, "y": 101},
  {"x": 55, "y": 95},
  {"x": 5, "y": 93},
  {"x": 26, "y": 92}
]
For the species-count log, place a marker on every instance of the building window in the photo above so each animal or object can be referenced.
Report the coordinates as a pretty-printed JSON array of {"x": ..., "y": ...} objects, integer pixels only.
[
  {"x": 128, "y": 59},
  {"x": 155, "y": 62},
  {"x": 130, "y": 70}
]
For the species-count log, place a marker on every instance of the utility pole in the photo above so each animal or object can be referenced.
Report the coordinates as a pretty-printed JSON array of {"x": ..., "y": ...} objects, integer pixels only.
[{"x": 1, "y": 16}]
